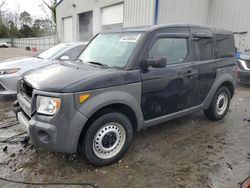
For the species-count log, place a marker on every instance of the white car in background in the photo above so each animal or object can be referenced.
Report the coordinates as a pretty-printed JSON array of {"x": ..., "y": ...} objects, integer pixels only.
[
  {"x": 12, "y": 69},
  {"x": 4, "y": 44}
]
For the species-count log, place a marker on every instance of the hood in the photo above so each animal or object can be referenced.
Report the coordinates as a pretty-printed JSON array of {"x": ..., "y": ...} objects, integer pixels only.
[
  {"x": 25, "y": 64},
  {"x": 71, "y": 77},
  {"x": 18, "y": 62}
]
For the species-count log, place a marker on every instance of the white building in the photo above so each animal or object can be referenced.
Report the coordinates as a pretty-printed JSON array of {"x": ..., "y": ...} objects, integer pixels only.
[{"x": 82, "y": 19}]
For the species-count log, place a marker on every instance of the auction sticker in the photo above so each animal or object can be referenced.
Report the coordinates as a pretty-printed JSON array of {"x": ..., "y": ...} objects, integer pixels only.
[{"x": 130, "y": 38}]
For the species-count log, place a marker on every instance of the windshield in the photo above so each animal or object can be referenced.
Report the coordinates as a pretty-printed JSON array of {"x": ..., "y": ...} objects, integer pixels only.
[
  {"x": 51, "y": 52},
  {"x": 111, "y": 49}
]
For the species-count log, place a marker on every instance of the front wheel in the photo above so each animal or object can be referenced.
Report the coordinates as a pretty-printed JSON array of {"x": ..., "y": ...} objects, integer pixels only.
[
  {"x": 107, "y": 139},
  {"x": 220, "y": 104}
]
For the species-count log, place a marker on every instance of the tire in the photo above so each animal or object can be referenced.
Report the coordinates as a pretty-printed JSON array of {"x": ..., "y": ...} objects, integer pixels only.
[
  {"x": 220, "y": 104},
  {"x": 107, "y": 139}
]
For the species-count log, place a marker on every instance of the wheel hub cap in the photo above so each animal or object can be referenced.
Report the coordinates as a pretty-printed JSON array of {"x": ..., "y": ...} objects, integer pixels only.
[
  {"x": 221, "y": 103},
  {"x": 109, "y": 140}
]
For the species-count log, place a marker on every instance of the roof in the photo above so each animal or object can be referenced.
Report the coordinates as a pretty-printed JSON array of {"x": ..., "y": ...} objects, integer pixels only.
[{"x": 156, "y": 27}]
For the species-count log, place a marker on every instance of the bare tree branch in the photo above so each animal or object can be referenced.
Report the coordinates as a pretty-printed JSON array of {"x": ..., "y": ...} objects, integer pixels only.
[
  {"x": 46, "y": 4},
  {"x": 2, "y": 3},
  {"x": 52, "y": 8}
]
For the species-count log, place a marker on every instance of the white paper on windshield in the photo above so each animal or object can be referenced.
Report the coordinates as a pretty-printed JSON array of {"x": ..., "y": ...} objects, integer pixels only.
[{"x": 130, "y": 38}]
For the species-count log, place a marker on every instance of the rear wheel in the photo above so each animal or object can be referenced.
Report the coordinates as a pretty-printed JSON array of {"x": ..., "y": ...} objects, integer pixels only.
[
  {"x": 220, "y": 104},
  {"x": 107, "y": 139}
]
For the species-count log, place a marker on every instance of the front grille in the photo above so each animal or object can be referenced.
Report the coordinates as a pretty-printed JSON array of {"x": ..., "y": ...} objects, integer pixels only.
[
  {"x": 26, "y": 89},
  {"x": 26, "y": 115},
  {"x": 248, "y": 63},
  {"x": 1, "y": 87}
]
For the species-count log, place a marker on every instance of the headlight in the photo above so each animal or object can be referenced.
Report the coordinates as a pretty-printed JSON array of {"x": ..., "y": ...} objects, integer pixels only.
[
  {"x": 47, "y": 105},
  {"x": 242, "y": 64},
  {"x": 9, "y": 71}
]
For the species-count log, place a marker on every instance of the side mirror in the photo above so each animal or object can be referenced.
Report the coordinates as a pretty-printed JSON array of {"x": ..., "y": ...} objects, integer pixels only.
[
  {"x": 157, "y": 62},
  {"x": 64, "y": 58}
]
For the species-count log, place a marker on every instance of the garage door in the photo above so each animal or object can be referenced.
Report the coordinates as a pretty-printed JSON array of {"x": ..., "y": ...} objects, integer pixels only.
[
  {"x": 67, "y": 29},
  {"x": 112, "y": 16}
]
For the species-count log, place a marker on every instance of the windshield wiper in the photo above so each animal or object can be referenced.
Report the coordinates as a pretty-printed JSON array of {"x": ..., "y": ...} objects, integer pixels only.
[
  {"x": 94, "y": 63},
  {"x": 98, "y": 63}
]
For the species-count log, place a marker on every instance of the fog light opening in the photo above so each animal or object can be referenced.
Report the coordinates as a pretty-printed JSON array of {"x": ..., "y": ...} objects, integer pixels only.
[{"x": 43, "y": 136}]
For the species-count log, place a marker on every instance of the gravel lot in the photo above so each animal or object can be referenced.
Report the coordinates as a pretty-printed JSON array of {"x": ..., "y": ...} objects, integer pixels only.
[
  {"x": 188, "y": 152},
  {"x": 6, "y": 53}
]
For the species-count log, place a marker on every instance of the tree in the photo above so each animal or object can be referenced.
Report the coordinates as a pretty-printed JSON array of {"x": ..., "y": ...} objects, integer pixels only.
[
  {"x": 36, "y": 28},
  {"x": 11, "y": 21},
  {"x": 26, "y": 31},
  {"x": 2, "y": 3},
  {"x": 25, "y": 19},
  {"x": 3, "y": 30},
  {"x": 52, "y": 8},
  {"x": 13, "y": 30},
  {"x": 42, "y": 27}
]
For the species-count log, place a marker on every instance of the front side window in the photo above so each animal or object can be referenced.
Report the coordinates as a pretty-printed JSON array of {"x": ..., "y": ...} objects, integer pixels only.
[
  {"x": 203, "y": 48},
  {"x": 112, "y": 49},
  {"x": 174, "y": 49}
]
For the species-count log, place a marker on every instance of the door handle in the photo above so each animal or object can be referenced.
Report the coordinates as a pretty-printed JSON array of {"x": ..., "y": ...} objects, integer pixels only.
[{"x": 190, "y": 73}]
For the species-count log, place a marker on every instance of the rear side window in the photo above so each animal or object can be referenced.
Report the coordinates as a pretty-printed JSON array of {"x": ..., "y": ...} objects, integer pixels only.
[
  {"x": 225, "y": 46},
  {"x": 203, "y": 48},
  {"x": 174, "y": 49}
]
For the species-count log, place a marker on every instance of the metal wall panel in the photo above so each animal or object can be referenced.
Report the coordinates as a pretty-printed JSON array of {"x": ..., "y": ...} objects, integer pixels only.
[
  {"x": 104, "y": 3},
  {"x": 233, "y": 15},
  {"x": 138, "y": 12},
  {"x": 73, "y": 8},
  {"x": 68, "y": 29},
  {"x": 112, "y": 14},
  {"x": 183, "y": 11},
  {"x": 230, "y": 14}
]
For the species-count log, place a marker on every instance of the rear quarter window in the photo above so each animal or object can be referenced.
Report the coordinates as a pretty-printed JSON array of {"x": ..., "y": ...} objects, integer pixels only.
[{"x": 225, "y": 47}]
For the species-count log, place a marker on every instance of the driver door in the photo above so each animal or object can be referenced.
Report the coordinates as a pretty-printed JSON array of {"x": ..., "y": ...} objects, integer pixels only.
[{"x": 169, "y": 90}]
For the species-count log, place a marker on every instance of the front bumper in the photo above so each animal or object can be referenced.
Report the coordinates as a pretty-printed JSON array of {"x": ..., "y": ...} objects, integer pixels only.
[
  {"x": 41, "y": 134},
  {"x": 244, "y": 76},
  {"x": 59, "y": 133}
]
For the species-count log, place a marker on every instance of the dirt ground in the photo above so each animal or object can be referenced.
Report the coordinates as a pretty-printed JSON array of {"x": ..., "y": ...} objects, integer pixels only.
[
  {"x": 6, "y": 53},
  {"x": 189, "y": 152}
]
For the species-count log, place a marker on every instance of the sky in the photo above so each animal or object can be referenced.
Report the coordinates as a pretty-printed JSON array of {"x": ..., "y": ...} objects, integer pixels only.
[{"x": 30, "y": 6}]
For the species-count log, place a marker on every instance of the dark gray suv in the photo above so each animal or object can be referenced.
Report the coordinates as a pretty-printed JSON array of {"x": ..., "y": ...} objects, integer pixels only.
[{"x": 126, "y": 80}]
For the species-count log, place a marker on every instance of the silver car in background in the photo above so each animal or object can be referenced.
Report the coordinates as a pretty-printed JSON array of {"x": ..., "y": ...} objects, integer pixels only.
[{"x": 12, "y": 69}]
